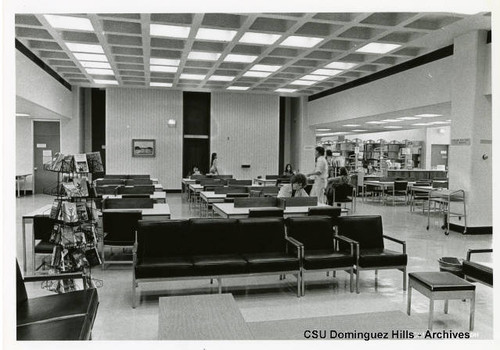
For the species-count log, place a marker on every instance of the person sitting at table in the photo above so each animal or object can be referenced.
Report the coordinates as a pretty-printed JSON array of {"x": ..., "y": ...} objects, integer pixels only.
[
  {"x": 196, "y": 171},
  {"x": 295, "y": 188},
  {"x": 288, "y": 170}
]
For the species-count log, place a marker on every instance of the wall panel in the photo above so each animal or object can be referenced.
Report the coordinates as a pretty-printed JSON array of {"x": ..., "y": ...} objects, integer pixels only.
[
  {"x": 245, "y": 130},
  {"x": 143, "y": 114}
]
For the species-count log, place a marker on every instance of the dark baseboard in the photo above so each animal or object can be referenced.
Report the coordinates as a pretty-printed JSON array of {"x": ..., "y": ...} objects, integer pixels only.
[
  {"x": 28, "y": 193},
  {"x": 479, "y": 230},
  {"x": 172, "y": 191}
]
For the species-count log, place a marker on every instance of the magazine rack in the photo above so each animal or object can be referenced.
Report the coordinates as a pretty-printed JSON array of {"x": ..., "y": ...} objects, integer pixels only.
[{"x": 75, "y": 220}]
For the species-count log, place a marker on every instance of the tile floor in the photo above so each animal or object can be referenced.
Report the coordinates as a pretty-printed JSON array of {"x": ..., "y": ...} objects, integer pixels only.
[{"x": 268, "y": 298}]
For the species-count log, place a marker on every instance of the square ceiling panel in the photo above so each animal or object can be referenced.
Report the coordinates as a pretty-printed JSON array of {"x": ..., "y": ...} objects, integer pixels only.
[
  {"x": 27, "y": 20},
  {"x": 388, "y": 18},
  {"x": 122, "y": 27},
  {"x": 172, "y": 18},
  {"x": 432, "y": 22},
  {"x": 272, "y": 25},
  {"x": 360, "y": 33},
  {"x": 223, "y": 20},
  {"x": 400, "y": 37},
  {"x": 318, "y": 29}
]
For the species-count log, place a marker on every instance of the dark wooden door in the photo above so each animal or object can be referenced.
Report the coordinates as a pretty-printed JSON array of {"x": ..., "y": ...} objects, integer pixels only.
[
  {"x": 196, "y": 153},
  {"x": 46, "y": 140}
]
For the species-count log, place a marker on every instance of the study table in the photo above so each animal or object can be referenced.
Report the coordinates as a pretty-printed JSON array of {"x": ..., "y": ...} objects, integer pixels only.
[
  {"x": 159, "y": 197},
  {"x": 227, "y": 210},
  {"x": 384, "y": 187},
  {"x": 19, "y": 178},
  {"x": 158, "y": 212},
  {"x": 265, "y": 182}
]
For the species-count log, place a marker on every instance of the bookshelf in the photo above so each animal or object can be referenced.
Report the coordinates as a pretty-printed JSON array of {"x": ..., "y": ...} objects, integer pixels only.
[{"x": 75, "y": 219}]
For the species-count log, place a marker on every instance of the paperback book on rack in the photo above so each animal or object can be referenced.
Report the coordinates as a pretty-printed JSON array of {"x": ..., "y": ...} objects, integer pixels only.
[
  {"x": 81, "y": 165},
  {"x": 95, "y": 162}
]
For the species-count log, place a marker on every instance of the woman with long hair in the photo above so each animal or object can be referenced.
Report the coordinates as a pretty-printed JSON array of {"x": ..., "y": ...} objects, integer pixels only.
[{"x": 213, "y": 164}]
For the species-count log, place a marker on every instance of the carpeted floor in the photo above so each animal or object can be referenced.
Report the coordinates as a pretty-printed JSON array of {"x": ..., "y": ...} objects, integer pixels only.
[{"x": 364, "y": 326}]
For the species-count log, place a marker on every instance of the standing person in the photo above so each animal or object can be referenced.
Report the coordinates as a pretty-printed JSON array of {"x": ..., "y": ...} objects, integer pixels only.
[
  {"x": 321, "y": 174},
  {"x": 213, "y": 165},
  {"x": 329, "y": 160},
  {"x": 295, "y": 188}
]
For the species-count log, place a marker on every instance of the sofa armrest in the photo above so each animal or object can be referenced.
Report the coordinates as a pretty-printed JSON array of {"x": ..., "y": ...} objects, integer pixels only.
[
  {"x": 477, "y": 251},
  {"x": 403, "y": 243},
  {"x": 349, "y": 241},
  {"x": 299, "y": 246}
]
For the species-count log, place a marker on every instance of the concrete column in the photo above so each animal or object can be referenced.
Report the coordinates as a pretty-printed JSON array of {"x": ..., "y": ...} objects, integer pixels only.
[
  {"x": 471, "y": 132},
  {"x": 303, "y": 138}
]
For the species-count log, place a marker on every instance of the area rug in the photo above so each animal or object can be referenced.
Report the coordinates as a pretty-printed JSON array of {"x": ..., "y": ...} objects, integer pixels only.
[{"x": 364, "y": 326}]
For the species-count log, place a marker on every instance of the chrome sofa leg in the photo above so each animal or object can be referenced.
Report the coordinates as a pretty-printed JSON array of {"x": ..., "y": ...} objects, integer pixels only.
[
  {"x": 357, "y": 280},
  {"x": 351, "y": 279},
  {"x": 219, "y": 282}
]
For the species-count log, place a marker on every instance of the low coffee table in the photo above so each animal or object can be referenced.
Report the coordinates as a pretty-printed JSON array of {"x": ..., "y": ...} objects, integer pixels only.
[
  {"x": 441, "y": 286},
  {"x": 201, "y": 317}
]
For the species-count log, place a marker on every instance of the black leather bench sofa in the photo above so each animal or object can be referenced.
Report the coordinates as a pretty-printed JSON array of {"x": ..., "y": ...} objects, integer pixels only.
[
  {"x": 476, "y": 272},
  {"x": 68, "y": 316},
  {"x": 213, "y": 248}
]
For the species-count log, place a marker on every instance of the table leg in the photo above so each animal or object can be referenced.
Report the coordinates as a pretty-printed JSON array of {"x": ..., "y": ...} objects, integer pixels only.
[
  {"x": 446, "y": 306},
  {"x": 431, "y": 313},
  {"x": 25, "y": 264},
  {"x": 408, "y": 307},
  {"x": 472, "y": 309}
]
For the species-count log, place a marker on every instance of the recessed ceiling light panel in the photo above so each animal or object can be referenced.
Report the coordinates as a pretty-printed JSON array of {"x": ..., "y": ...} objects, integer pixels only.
[
  {"x": 393, "y": 127},
  {"x": 302, "y": 82},
  {"x": 256, "y": 74},
  {"x": 301, "y": 41},
  {"x": 285, "y": 90},
  {"x": 164, "y": 61},
  {"x": 105, "y": 82},
  {"x": 165, "y": 69},
  {"x": 203, "y": 56},
  {"x": 259, "y": 38},
  {"x": 77, "y": 47},
  {"x": 341, "y": 65},
  {"x": 69, "y": 22},
  {"x": 323, "y": 129},
  {"x": 329, "y": 72},
  {"x": 169, "y": 31},
  {"x": 408, "y": 118},
  {"x": 351, "y": 125},
  {"x": 98, "y": 71},
  {"x": 265, "y": 68},
  {"x": 359, "y": 130},
  {"x": 215, "y": 34},
  {"x": 378, "y": 48},
  {"x": 160, "y": 84},
  {"x": 239, "y": 58},
  {"x": 221, "y": 78},
  {"x": 89, "y": 64},
  {"x": 192, "y": 76},
  {"x": 391, "y": 120},
  {"x": 428, "y": 115},
  {"x": 314, "y": 77},
  {"x": 242, "y": 88},
  {"x": 376, "y": 122},
  {"x": 90, "y": 57}
]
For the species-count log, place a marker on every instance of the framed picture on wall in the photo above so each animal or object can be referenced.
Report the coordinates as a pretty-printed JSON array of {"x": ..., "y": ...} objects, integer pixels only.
[{"x": 143, "y": 148}]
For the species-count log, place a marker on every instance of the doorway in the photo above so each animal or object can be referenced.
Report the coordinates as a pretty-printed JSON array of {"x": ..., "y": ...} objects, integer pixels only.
[
  {"x": 46, "y": 143},
  {"x": 439, "y": 156}
]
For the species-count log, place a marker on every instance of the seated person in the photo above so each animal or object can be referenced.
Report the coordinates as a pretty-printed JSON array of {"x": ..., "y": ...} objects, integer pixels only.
[
  {"x": 295, "y": 188},
  {"x": 288, "y": 170},
  {"x": 343, "y": 178},
  {"x": 195, "y": 171}
]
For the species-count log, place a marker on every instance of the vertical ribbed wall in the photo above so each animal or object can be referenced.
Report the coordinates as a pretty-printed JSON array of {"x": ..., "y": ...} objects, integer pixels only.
[
  {"x": 143, "y": 114},
  {"x": 245, "y": 130}
]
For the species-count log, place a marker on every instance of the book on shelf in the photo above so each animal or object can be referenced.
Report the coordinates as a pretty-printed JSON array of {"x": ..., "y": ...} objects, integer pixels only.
[
  {"x": 93, "y": 257},
  {"x": 81, "y": 210},
  {"x": 67, "y": 236},
  {"x": 78, "y": 257},
  {"x": 81, "y": 165},
  {"x": 92, "y": 210},
  {"x": 55, "y": 210},
  {"x": 67, "y": 164},
  {"x": 71, "y": 189},
  {"x": 69, "y": 213},
  {"x": 79, "y": 237},
  {"x": 56, "y": 256},
  {"x": 55, "y": 236},
  {"x": 82, "y": 185},
  {"x": 55, "y": 163},
  {"x": 95, "y": 162}
]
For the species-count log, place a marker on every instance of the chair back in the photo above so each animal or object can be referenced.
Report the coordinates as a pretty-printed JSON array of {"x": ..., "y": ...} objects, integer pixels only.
[
  {"x": 423, "y": 183},
  {"x": 211, "y": 187},
  {"x": 138, "y": 181},
  {"x": 119, "y": 226},
  {"x": 365, "y": 229},
  {"x": 254, "y": 193},
  {"x": 331, "y": 212},
  {"x": 42, "y": 227},
  {"x": 314, "y": 232},
  {"x": 439, "y": 184},
  {"x": 272, "y": 177},
  {"x": 136, "y": 190},
  {"x": 283, "y": 180},
  {"x": 21, "y": 294},
  {"x": 100, "y": 190},
  {"x": 162, "y": 238},
  {"x": 204, "y": 182},
  {"x": 239, "y": 182},
  {"x": 400, "y": 185},
  {"x": 138, "y": 176},
  {"x": 251, "y": 202},
  {"x": 213, "y": 236},
  {"x": 115, "y": 176},
  {"x": 270, "y": 190},
  {"x": 237, "y": 195},
  {"x": 127, "y": 203},
  {"x": 265, "y": 212},
  {"x": 342, "y": 193},
  {"x": 112, "y": 181},
  {"x": 260, "y": 235}
]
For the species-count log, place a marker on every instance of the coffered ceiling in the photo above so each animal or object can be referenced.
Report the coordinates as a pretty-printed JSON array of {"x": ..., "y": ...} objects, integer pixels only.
[{"x": 280, "y": 53}]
